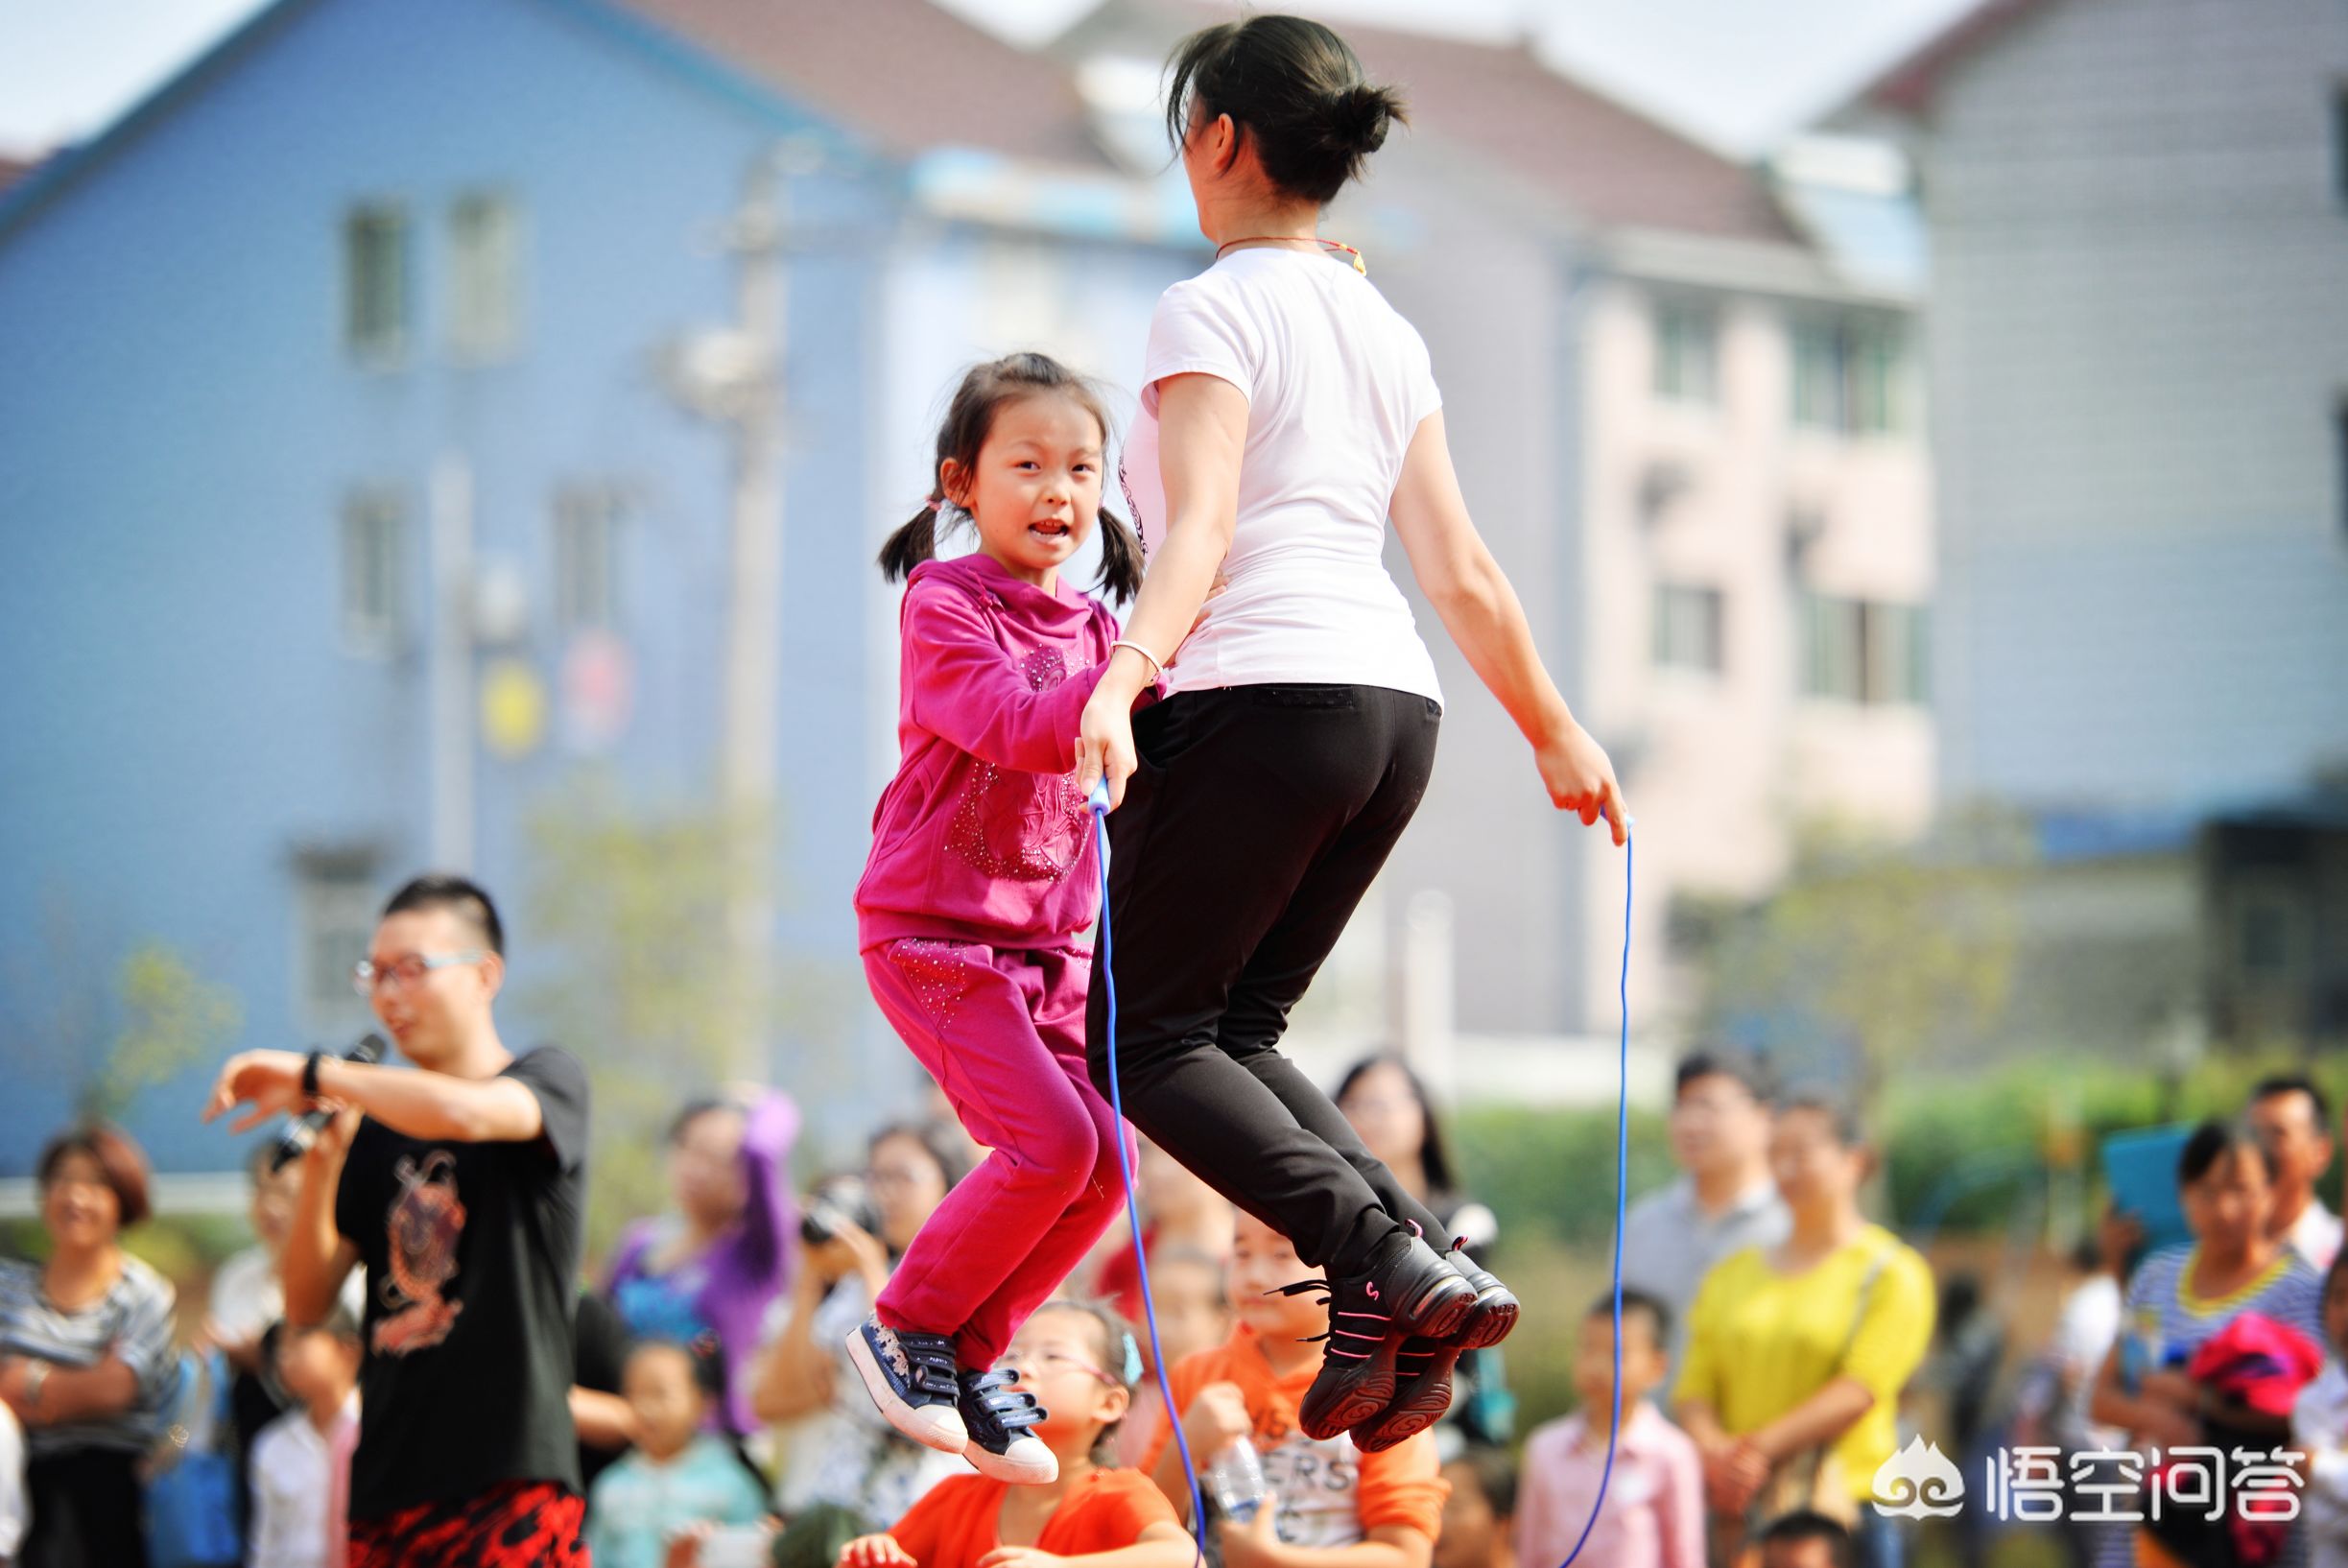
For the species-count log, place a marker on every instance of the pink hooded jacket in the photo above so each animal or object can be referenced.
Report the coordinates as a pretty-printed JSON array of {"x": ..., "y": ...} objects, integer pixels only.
[{"x": 981, "y": 837}]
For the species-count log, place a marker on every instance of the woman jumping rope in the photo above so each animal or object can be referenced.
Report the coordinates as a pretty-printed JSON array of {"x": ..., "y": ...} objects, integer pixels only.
[{"x": 1286, "y": 412}]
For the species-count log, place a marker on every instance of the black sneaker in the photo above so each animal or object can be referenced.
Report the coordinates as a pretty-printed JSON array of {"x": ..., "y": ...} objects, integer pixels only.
[
  {"x": 911, "y": 1377},
  {"x": 1422, "y": 1394},
  {"x": 997, "y": 1416},
  {"x": 1496, "y": 1308},
  {"x": 1410, "y": 1289}
]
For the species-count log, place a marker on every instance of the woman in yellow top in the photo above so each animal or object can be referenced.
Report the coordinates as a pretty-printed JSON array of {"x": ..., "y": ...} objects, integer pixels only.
[{"x": 1796, "y": 1354}]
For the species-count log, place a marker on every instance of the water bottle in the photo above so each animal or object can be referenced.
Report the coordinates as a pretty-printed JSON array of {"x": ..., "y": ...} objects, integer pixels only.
[{"x": 1234, "y": 1480}]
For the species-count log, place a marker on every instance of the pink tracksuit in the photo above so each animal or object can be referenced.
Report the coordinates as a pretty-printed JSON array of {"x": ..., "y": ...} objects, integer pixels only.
[{"x": 982, "y": 873}]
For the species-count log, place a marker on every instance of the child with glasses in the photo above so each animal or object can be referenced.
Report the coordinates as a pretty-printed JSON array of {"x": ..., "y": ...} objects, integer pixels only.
[{"x": 1080, "y": 1363}]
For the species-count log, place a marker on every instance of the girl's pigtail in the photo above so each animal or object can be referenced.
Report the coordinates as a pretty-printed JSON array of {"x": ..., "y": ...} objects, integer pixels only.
[
  {"x": 912, "y": 544},
  {"x": 1121, "y": 557}
]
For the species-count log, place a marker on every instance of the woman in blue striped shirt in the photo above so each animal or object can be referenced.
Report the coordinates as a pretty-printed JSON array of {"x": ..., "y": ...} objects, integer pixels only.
[{"x": 85, "y": 1356}]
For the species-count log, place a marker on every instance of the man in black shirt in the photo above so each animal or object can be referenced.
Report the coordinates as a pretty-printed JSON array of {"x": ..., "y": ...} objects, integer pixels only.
[{"x": 461, "y": 1187}]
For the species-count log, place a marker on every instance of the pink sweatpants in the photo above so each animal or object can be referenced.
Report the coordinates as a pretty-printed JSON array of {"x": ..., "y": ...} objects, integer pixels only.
[{"x": 1003, "y": 1034}]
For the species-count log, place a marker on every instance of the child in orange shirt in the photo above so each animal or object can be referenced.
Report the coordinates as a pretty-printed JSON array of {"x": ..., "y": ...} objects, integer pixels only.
[
  {"x": 1079, "y": 1362},
  {"x": 1331, "y": 1506}
]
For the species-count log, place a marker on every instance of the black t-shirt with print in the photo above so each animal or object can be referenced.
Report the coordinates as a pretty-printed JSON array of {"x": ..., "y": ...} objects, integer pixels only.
[{"x": 471, "y": 1252}]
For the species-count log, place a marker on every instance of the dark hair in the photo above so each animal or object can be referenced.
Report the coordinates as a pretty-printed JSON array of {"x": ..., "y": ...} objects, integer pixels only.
[
  {"x": 970, "y": 418},
  {"x": 121, "y": 1162},
  {"x": 704, "y": 1359},
  {"x": 1495, "y": 1474},
  {"x": 1121, "y": 1359},
  {"x": 1848, "y": 1132},
  {"x": 1635, "y": 1303},
  {"x": 2281, "y": 1083},
  {"x": 1292, "y": 86},
  {"x": 1960, "y": 1298},
  {"x": 932, "y": 1139},
  {"x": 1807, "y": 1525},
  {"x": 2212, "y": 1142},
  {"x": 464, "y": 898},
  {"x": 1738, "y": 1066},
  {"x": 1433, "y": 1153},
  {"x": 693, "y": 1110}
]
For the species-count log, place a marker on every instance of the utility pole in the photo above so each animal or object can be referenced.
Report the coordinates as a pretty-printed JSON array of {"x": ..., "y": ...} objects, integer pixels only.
[
  {"x": 450, "y": 663},
  {"x": 733, "y": 375}
]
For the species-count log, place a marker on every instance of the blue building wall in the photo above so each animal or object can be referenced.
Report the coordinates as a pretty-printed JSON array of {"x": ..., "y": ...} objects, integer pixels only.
[{"x": 180, "y": 426}]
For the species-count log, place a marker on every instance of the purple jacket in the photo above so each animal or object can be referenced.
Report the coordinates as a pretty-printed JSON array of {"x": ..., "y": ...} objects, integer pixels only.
[{"x": 728, "y": 1288}]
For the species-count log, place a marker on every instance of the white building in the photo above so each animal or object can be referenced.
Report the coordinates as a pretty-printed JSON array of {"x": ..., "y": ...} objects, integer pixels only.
[{"x": 2139, "y": 328}]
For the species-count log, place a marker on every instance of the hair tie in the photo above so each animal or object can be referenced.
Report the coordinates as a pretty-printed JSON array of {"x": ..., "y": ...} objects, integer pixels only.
[{"x": 1133, "y": 1358}]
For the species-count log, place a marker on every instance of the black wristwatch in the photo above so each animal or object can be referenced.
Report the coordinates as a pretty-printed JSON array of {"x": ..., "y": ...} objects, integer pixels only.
[{"x": 309, "y": 1074}]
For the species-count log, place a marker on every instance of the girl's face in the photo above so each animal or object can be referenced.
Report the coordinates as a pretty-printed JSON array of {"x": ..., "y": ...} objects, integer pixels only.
[
  {"x": 1035, "y": 488},
  {"x": 1060, "y": 1361},
  {"x": 669, "y": 1403},
  {"x": 2226, "y": 1209},
  {"x": 1385, "y": 1116},
  {"x": 906, "y": 1188}
]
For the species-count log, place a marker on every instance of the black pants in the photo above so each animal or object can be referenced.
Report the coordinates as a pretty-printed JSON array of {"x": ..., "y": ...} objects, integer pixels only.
[
  {"x": 1257, "y": 818},
  {"x": 89, "y": 1511}
]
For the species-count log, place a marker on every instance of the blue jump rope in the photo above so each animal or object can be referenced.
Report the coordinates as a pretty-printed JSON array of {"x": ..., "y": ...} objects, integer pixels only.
[{"x": 1098, "y": 801}]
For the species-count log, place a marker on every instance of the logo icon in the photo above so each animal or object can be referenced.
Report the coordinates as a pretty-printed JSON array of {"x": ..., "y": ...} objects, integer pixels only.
[{"x": 1919, "y": 1483}]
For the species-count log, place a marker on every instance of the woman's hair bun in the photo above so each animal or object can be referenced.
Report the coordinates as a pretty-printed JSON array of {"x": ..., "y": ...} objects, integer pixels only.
[{"x": 1360, "y": 117}]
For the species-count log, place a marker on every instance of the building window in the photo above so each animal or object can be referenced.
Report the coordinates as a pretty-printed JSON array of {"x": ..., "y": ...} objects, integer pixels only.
[
  {"x": 370, "y": 573},
  {"x": 1856, "y": 651},
  {"x": 587, "y": 558},
  {"x": 1817, "y": 378},
  {"x": 1846, "y": 376},
  {"x": 484, "y": 276},
  {"x": 1684, "y": 354},
  {"x": 1894, "y": 638},
  {"x": 1688, "y": 628},
  {"x": 375, "y": 283},
  {"x": 1871, "y": 368},
  {"x": 1831, "y": 664},
  {"x": 335, "y": 913}
]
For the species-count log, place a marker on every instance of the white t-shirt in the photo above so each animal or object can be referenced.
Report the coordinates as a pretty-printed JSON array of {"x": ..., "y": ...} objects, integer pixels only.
[
  {"x": 2315, "y": 1235},
  {"x": 292, "y": 1467},
  {"x": 2083, "y": 1334},
  {"x": 1337, "y": 383}
]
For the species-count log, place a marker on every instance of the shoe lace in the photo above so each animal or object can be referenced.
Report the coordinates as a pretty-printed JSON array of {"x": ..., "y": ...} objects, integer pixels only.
[{"x": 1328, "y": 1297}]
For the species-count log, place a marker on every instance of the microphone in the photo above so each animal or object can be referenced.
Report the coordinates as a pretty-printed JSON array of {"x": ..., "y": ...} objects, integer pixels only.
[{"x": 302, "y": 1132}]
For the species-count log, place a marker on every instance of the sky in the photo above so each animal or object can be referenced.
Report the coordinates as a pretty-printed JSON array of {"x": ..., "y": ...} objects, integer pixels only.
[{"x": 1738, "y": 74}]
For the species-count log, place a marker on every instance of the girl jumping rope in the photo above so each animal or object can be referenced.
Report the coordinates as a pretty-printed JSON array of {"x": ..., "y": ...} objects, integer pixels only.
[
  {"x": 1288, "y": 413},
  {"x": 981, "y": 876}
]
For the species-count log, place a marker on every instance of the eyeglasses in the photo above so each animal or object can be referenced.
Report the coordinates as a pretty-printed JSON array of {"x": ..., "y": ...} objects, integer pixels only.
[
  {"x": 367, "y": 977},
  {"x": 1045, "y": 1363}
]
